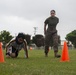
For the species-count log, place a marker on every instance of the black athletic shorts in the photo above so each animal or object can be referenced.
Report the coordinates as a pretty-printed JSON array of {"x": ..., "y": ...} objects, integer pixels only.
[{"x": 12, "y": 50}]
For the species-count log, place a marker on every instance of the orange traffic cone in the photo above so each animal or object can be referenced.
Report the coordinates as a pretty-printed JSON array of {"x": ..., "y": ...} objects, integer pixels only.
[
  {"x": 1, "y": 53},
  {"x": 65, "y": 55},
  {"x": 30, "y": 48}
]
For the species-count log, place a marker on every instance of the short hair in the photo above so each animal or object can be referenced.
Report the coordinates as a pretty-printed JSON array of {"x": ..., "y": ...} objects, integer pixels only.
[
  {"x": 21, "y": 35},
  {"x": 53, "y": 11}
]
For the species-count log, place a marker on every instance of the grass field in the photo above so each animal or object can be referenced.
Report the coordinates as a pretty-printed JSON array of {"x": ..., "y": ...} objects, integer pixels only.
[{"x": 38, "y": 64}]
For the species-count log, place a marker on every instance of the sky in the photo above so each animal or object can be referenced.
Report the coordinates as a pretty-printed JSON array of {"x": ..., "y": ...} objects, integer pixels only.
[{"x": 23, "y": 15}]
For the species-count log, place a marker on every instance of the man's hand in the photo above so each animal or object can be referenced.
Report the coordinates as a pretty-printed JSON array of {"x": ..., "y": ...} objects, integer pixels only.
[{"x": 26, "y": 56}]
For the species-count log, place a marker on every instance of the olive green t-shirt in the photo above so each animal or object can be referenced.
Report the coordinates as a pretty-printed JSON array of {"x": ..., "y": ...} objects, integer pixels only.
[{"x": 52, "y": 22}]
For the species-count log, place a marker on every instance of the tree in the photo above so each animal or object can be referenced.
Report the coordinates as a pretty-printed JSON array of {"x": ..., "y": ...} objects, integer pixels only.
[
  {"x": 38, "y": 40},
  {"x": 72, "y": 37},
  {"x": 5, "y": 37},
  {"x": 28, "y": 39}
]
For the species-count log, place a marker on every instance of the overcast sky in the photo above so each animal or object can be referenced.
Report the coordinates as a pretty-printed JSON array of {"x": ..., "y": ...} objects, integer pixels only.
[{"x": 23, "y": 15}]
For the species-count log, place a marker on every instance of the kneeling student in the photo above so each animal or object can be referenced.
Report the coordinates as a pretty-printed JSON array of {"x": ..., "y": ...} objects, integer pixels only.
[{"x": 13, "y": 48}]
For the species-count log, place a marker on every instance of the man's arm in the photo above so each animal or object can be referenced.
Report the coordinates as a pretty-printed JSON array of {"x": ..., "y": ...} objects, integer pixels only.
[
  {"x": 45, "y": 28},
  {"x": 25, "y": 49},
  {"x": 57, "y": 20},
  {"x": 45, "y": 24},
  {"x": 7, "y": 51},
  {"x": 9, "y": 44}
]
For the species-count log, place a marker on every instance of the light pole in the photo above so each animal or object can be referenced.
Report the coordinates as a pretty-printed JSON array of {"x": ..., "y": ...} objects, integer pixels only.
[{"x": 35, "y": 30}]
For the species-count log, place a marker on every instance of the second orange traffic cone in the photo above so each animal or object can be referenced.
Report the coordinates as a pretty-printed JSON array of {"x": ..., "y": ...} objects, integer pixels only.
[
  {"x": 30, "y": 48},
  {"x": 65, "y": 54},
  {"x": 1, "y": 54}
]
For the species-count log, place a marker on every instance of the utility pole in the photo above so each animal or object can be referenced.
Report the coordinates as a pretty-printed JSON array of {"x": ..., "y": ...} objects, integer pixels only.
[{"x": 35, "y": 30}]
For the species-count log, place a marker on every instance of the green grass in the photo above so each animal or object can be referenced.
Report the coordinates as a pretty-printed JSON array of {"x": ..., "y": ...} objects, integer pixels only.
[{"x": 38, "y": 64}]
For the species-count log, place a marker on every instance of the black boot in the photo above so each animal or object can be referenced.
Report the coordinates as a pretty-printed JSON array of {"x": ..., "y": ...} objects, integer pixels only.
[
  {"x": 57, "y": 55},
  {"x": 46, "y": 50}
]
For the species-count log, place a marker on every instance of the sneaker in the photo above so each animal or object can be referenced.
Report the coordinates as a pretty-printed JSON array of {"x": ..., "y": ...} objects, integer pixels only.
[
  {"x": 58, "y": 56},
  {"x": 46, "y": 55}
]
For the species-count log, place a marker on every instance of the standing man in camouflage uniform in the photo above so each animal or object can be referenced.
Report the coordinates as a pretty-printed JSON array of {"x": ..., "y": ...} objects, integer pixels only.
[{"x": 51, "y": 33}]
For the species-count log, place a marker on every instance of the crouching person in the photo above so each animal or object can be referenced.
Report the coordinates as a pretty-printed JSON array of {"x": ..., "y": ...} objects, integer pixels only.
[{"x": 13, "y": 48}]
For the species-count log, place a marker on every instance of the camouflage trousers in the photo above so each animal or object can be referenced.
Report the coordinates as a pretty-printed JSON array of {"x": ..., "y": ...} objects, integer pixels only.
[{"x": 51, "y": 39}]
